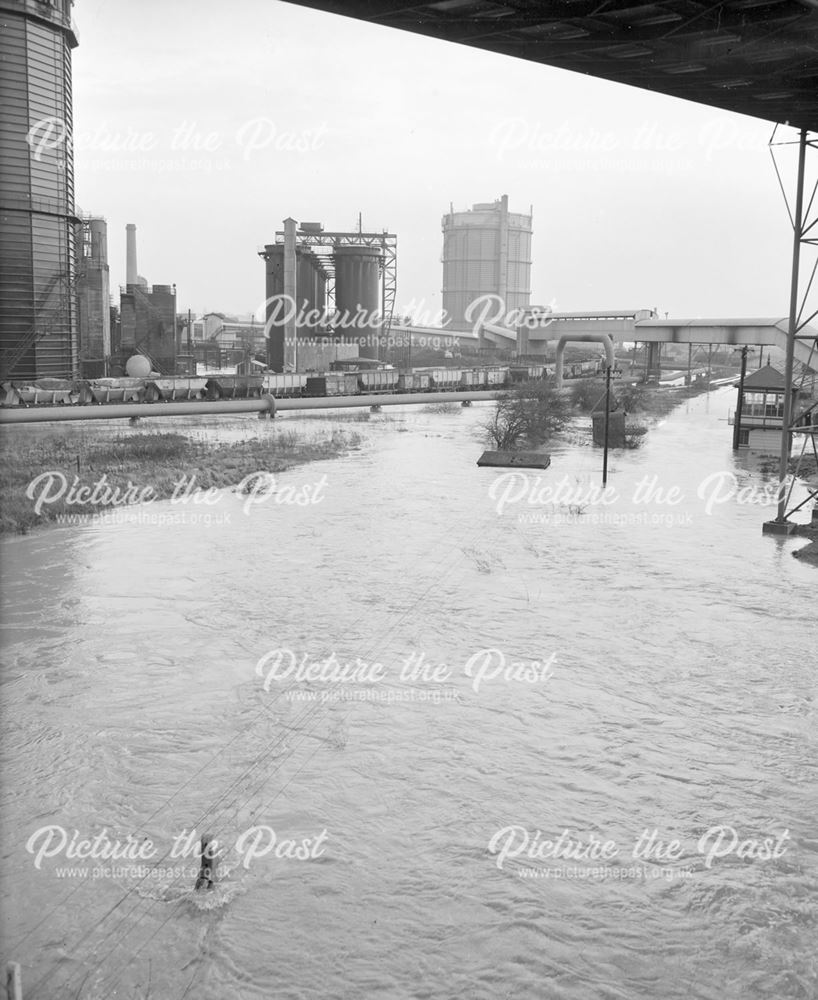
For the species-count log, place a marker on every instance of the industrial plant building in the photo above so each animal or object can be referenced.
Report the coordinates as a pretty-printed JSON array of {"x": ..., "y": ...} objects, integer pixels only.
[
  {"x": 55, "y": 314},
  {"x": 329, "y": 295},
  {"x": 486, "y": 251},
  {"x": 147, "y": 316},
  {"x": 38, "y": 243}
]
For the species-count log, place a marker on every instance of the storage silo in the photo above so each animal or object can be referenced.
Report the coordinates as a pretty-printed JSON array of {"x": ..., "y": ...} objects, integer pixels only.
[
  {"x": 307, "y": 305},
  {"x": 310, "y": 285},
  {"x": 486, "y": 251},
  {"x": 274, "y": 291},
  {"x": 38, "y": 245},
  {"x": 357, "y": 295}
]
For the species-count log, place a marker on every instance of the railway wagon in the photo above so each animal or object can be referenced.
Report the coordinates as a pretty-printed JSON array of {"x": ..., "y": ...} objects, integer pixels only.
[
  {"x": 496, "y": 377},
  {"x": 445, "y": 378},
  {"x": 161, "y": 389},
  {"x": 284, "y": 384},
  {"x": 234, "y": 386},
  {"x": 527, "y": 373},
  {"x": 333, "y": 384},
  {"x": 44, "y": 391},
  {"x": 414, "y": 381},
  {"x": 581, "y": 369},
  {"x": 472, "y": 379},
  {"x": 378, "y": 380},
  {"x": 112, "y": 390}
]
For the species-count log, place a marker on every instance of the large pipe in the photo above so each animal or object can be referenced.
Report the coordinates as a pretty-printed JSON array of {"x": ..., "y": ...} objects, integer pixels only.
[
  {"x": 131, "y": 276},
  {"x": 266, "y": 404},
  {"x": 583, "y": 338},
  {"x": 112, "y": 411}
]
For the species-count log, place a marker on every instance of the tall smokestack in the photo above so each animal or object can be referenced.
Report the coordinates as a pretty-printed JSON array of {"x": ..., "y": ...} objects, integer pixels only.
[{"x": 131, "y": 277}]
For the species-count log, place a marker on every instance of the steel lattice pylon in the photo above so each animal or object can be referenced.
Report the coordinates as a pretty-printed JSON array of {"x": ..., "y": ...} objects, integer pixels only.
[{"x": 800, "y": 422}]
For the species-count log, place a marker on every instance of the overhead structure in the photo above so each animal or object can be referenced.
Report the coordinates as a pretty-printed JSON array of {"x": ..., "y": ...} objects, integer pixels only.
[{"x": 754, "y": 57}]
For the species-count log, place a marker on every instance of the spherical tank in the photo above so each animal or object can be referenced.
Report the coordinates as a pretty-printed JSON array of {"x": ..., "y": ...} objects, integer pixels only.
[{"x": 137, "y": 366}]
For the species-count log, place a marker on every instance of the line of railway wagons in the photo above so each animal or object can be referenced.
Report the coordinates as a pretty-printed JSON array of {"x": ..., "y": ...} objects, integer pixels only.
[{"x": 55, "y": 392}]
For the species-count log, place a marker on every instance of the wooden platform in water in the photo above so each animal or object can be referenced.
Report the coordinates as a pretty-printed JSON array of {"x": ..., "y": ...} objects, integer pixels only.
[{"x": 515, "y": 459}]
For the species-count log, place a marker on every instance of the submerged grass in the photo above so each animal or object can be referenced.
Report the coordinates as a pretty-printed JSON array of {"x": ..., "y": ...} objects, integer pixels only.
[
  {"x": 133, "y": 463},
  {"x": 444, "y": 407}
]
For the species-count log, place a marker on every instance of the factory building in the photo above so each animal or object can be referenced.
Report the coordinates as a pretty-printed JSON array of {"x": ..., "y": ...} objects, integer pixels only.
[
  {"x": 309, "y": 293},
  {"x": 329, "y": 295},
  {"x": 93, "y": 297},
  {"x": 38, "y": 313},
  {"x": 147, "y": 321},
  {"x": 147, "y": 315},
  {"x": 486, "y": 250}
]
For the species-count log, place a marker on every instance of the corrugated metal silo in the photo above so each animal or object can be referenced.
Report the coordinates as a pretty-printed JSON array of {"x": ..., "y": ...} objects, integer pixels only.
[
  {"x": 274, "y": 289},
  {"x": 357, "y": 295}
]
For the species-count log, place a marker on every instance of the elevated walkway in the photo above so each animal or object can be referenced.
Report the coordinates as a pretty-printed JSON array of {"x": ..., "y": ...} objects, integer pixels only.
[
  {"x": 738, "y": 332},
  {"x": 627, "y": 327}
]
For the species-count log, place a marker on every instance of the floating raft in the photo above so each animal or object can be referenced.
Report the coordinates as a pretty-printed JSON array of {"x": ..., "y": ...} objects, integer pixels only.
[{"x": 515, "y": 459}]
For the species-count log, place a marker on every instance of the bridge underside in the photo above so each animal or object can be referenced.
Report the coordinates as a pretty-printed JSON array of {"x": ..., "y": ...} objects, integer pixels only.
[{"x": 755, "y": 58}]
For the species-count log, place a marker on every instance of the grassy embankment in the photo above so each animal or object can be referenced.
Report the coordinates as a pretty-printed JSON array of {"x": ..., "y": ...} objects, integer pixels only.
[{"x": 133, "y": 462}]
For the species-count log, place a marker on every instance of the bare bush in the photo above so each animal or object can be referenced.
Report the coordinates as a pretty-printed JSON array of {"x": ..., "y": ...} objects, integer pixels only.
[
  {"x": 586, "y": 393},
  {"x": 635, "y": 435},
  {"x": 632, "y": 398},
  {"x": 529, "y": 415}
]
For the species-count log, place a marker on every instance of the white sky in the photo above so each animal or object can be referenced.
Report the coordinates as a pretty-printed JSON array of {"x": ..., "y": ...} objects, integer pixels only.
[{"x": 639, "y": 200}]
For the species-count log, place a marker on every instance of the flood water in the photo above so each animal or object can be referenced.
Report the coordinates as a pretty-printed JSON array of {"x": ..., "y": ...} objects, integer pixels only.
[{"x": 675, "y": 693}]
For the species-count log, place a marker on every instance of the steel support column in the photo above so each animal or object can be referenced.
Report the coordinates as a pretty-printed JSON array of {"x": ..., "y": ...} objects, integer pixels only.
[{"x": 801, "y": 228}]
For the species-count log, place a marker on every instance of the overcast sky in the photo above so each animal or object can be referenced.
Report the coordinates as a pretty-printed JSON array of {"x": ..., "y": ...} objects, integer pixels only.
[{"x": 207, "y": 123}]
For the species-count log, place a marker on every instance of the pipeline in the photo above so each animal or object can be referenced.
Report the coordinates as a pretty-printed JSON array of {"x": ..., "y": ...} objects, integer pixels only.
[
  {"x": 584, "y": 338},
  {"x": 263, "y": 406}
]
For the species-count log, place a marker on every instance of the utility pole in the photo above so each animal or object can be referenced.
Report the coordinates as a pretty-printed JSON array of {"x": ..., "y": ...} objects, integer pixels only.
[{"x": 739, "y": 405}]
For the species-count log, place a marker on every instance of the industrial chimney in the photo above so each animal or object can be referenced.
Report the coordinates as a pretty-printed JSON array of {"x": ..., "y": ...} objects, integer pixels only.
[{"x": 131, "y": 276}]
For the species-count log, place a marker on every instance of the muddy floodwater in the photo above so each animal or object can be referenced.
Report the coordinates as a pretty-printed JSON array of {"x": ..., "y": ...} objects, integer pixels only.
[{"x": 559, "y": 748}]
